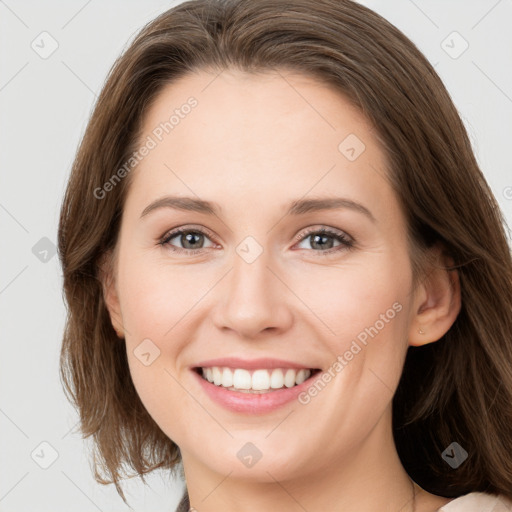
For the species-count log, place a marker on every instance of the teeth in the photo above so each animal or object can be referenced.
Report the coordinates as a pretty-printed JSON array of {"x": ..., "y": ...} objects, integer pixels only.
[
  {"x": 227, "y": 377},
  {"x": 257, "y": 381},
  {"x": 261, "y": 380},
  {"x": 241, "y": 379},
  {"x": 289, "y": 378},
  {"x": 302, "y": 375},
  {"x": 217, "y": 376},
  {"x": 276, "y": 380}
]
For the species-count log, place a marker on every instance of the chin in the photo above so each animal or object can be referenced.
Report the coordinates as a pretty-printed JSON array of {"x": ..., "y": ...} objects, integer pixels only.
[{"x": 261, "y": 461}]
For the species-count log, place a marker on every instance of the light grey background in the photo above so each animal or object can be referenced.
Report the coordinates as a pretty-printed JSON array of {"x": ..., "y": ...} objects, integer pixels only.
[{"x": 44, "y": 107}]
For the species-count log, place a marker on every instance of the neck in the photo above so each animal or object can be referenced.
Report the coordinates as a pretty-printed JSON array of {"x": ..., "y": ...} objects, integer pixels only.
[{"x": 369, "y": 477}]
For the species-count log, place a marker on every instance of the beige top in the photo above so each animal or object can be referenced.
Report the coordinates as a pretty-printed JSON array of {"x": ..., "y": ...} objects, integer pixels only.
[
  {"x": 478, "y": 502},
  {"x": 472, "y": 502}
]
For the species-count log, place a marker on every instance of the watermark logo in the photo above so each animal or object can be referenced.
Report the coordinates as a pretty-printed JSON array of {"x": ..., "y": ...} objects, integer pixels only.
[
  {"x": 249, "y": 454},
  {"x": 454, "y": 45},
  {"x": 44, "y": 250},
  {"x": 146, "y": 352},
  {"x": 454, "y": 455},
  {"x": 44, "y": 45},
  {"x": 249, "y": 249},
  {"x": 44, "y": 455},
  {"x": 351, "y": 147}
]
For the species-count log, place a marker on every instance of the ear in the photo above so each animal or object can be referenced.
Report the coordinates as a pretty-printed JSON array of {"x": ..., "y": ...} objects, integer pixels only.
[
  {"x": 110, "y": 294},
  {"x": 437, "y": 301}
]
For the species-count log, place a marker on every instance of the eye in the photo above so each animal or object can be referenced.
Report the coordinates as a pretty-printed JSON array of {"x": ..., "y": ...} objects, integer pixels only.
[
  {"x": 322, "y": 238},
  {"x": 192, "y": 240}
]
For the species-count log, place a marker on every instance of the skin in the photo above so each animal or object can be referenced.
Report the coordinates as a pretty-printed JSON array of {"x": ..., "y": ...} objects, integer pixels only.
[{"x": 253, "y": 144}]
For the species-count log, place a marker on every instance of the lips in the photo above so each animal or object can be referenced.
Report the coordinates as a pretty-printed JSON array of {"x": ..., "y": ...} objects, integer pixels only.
[
  {"x": 249, "y": 400},
  {"x": 254, "y": 364},
  {"x": 257, "y": 380}
]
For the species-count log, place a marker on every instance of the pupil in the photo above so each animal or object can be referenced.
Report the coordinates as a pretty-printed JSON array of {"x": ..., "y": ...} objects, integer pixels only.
[
  {"x": 188, "y": 237},
  {"x": 321, "y": 246}
]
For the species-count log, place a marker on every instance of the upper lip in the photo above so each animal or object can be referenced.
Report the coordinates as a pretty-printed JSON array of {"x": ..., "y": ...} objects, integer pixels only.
[{"x": 251, "y": 364}]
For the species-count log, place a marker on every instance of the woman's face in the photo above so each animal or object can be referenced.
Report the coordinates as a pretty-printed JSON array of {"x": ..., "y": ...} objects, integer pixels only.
[{"x": 254, "y": 146}]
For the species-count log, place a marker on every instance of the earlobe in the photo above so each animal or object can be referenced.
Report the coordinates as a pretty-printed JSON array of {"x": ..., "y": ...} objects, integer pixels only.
[
  {"x": 438, "y": 303},
  {"x": 110, "y": 295}
]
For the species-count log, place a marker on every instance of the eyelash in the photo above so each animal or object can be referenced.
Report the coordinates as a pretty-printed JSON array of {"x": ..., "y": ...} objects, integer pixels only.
[{"x": 346, "y": 242}]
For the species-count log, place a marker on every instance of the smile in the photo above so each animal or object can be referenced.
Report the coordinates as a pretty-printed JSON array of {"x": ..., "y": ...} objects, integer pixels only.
[
  {"x": 255, "y": 381},
  {"x": 236, "y": 388}
]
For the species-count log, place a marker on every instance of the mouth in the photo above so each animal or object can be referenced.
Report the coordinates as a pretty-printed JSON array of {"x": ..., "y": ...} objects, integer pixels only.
[{"x": 255, "y": 381}]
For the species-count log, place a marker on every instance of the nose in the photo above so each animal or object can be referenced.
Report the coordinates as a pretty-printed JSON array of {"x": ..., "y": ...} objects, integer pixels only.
[{"x": 253, "y": 300}]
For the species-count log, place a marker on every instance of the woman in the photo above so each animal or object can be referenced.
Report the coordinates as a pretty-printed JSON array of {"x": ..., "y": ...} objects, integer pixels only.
[{"x": 286, "y": 271}]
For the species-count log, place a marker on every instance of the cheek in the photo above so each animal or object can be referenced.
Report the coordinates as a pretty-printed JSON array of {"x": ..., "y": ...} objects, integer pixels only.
[
  {"x": 347, "y": 301},
  {"x": 155, "y": 314},
  {"x": 159, "y": 305},
  {"x": 364, "y": 311},
  {"x": 156, "y": 297},
  {"x": 160, "y": 394}
]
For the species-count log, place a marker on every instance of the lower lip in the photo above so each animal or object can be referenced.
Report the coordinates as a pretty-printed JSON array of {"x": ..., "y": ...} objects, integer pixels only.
[{"x": 253, "y": 403}]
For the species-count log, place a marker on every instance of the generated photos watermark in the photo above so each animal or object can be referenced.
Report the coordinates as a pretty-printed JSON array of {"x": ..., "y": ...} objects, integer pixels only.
[
  {"x": 152, "y": 141},
  {"x": 355, "y": 348}
]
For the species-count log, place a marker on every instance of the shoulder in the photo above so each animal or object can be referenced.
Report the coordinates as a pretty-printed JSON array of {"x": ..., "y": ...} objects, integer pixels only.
[{"x": 478, "y": 502}]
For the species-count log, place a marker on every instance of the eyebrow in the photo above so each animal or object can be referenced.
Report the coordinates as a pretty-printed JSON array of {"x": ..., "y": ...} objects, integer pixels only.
[{"x": 298, "y": 207}]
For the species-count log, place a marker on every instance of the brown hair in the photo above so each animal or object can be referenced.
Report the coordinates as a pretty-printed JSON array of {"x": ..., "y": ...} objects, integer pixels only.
[{"x": 457, "y": 389}]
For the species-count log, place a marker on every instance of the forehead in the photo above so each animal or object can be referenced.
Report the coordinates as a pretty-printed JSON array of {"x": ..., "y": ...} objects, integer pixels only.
[
  {"x": 263, "y": 103},
  {"x": 235, "y": 133}
]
